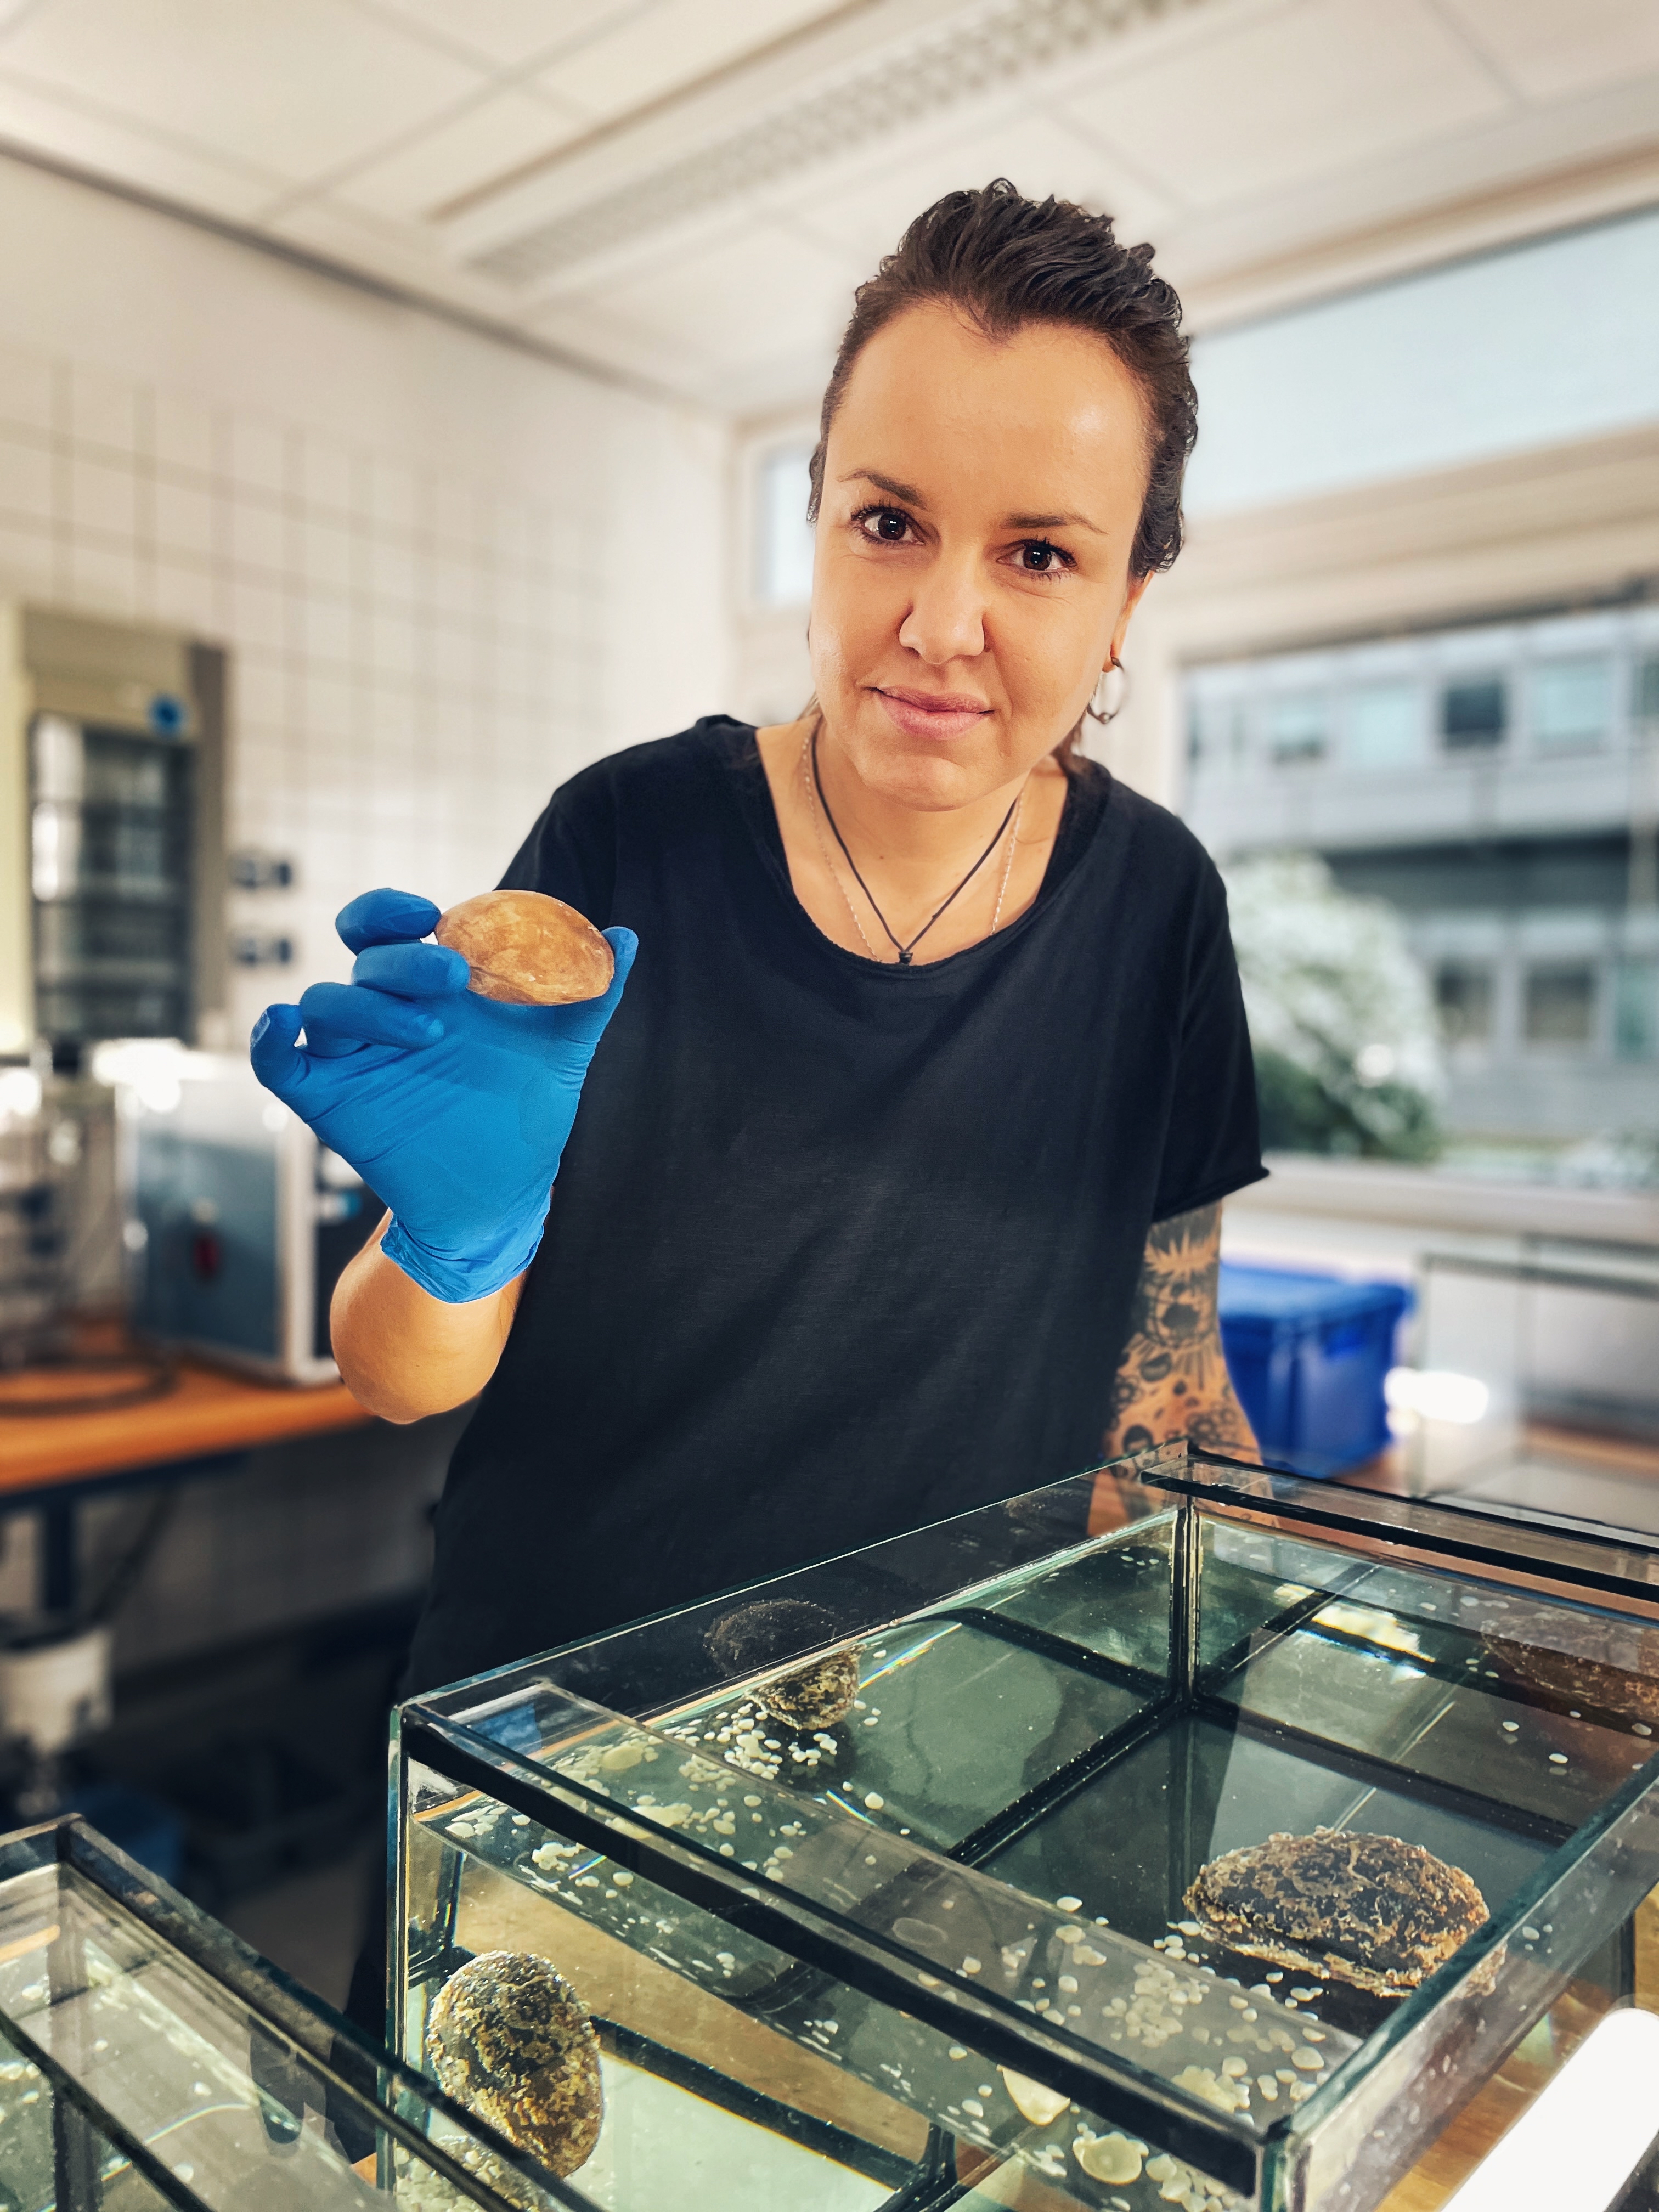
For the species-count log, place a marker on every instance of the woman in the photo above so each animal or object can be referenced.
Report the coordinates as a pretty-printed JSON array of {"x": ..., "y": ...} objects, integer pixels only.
[{"x": 896, "y": 1185}]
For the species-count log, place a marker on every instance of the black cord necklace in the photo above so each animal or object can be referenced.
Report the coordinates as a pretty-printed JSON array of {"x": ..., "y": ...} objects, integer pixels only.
[{"x": 904, "y": 951}]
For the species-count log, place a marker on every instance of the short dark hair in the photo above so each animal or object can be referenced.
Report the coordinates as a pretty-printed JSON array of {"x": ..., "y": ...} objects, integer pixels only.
[{"x": 1004, "y": 262}]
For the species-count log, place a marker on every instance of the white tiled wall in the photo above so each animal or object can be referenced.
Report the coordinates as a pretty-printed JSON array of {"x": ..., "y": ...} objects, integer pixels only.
[{"x": 448, "y": 572}]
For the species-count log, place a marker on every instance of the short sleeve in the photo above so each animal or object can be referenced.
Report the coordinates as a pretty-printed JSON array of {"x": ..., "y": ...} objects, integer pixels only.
[
  {"x": 1213, "y": 1141},
  {"x": 571, "y": 853}
]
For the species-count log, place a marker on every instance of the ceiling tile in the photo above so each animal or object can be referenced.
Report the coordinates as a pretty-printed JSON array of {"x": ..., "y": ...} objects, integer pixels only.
[
  {"x": 770, "y": 385},
  {"x": 470, "y": 149},
  {"x": 758, "y": 291},
  {"x": 402, "y": 252},
  {"x": 299, "y": 87},
  {"x": 1035, "y": 151},
  {"x": 1547, "y": 50},
  {"x": 135, "y": 157},
  {"x": 1471, "y": 191},
  {"x": 508, "y": 32},
  {"x": 671, "y": 43},
  {"x": 757, "y": 384},
  {"x": 592, "y": 333},
  {"x": 1283, "y": 100}
]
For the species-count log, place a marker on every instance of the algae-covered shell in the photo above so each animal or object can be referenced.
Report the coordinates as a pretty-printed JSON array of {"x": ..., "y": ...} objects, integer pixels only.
[
  {"x": 510, "y": 2039},
  {"x": 815, "y": 1696}
]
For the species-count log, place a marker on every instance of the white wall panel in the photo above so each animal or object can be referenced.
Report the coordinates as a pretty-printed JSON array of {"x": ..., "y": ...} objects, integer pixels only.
[{"x": 449, "y": 574}]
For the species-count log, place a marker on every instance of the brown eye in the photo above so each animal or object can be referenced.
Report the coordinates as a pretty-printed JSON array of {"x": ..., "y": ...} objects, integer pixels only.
[
  {"x": 1040, "y": 557},
  {"x": 891, "y": 526}
]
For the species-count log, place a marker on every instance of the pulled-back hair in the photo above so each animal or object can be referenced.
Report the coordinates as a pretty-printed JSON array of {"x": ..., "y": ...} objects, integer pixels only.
[{"x": 1004, "y": 262}]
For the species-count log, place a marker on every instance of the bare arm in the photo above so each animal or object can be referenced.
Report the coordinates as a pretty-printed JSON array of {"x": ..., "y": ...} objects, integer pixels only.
[
  {"x": 1173, "y": 1380},
  {"x": 404, "y": 1353}
]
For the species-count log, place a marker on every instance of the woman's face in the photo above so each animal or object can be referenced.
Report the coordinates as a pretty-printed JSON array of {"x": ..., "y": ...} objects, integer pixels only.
[{"x": 971, "y": 579}]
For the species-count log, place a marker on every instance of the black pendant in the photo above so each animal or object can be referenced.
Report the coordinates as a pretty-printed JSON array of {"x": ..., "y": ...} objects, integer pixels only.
[{"x": 904, "y": 951}]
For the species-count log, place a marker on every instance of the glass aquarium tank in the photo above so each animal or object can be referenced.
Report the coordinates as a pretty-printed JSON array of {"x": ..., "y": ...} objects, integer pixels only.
[
  {"x": 149, "y": 2060},
  {"x": 1180, "y": 1833}
]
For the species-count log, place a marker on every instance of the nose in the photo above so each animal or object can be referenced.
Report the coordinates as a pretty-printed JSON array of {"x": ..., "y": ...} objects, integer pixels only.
[{"x": 947, "y": 616}]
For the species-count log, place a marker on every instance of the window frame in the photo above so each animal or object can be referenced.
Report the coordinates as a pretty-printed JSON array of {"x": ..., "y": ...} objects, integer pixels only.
[
  {"x": 1537, "y": 966},
  {"x": 1465, "y": 745}
]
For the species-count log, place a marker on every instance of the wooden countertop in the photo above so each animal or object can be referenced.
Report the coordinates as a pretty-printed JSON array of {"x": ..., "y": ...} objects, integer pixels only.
[{"x": 210, "y": 1410}]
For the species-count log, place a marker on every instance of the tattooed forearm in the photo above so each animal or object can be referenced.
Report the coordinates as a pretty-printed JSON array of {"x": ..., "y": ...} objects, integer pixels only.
[{"x": 1173, "y": 1381}]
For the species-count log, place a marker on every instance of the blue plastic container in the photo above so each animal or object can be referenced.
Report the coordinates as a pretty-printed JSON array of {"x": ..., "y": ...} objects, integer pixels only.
[{"x": 1308, "y": 1354}]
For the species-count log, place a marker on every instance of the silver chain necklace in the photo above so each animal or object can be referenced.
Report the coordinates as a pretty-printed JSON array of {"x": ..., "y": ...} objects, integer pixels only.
[{"x": 817, "y": 806}]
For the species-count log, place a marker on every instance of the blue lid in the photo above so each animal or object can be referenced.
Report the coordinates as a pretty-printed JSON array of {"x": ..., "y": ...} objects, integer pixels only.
[{"x": 1277, "y": 1294}]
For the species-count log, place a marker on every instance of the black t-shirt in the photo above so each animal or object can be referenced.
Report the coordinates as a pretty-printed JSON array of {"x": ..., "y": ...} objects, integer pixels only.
[{"x": 837, "y": 1248}]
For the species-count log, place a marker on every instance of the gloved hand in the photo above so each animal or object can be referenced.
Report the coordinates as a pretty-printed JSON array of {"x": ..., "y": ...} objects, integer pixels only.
[{"x": 453, "y": 1107}]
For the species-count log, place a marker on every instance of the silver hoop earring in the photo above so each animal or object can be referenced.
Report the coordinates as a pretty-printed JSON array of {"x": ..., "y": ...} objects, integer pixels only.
[{"x": 1115, "y": 666}]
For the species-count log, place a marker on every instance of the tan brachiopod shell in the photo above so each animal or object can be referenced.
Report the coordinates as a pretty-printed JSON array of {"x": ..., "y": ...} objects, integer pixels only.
[{"x": 527, "y": 950}]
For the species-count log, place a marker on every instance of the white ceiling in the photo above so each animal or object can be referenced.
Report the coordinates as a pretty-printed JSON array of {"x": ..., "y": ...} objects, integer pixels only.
[{"x": 687, "y": 190}]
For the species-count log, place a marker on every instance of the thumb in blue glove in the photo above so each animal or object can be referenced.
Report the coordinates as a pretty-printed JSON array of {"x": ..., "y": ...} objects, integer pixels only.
[{"x": 454, "y": 1108}]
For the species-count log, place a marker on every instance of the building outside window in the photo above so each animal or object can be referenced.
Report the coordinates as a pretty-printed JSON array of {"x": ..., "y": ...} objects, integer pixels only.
[
  {"x": 1474, "y": 715},
  {"x": 1636, "y": 1009},
  {"x": 1560, "y": 1003},
  {"x": 1385, "y": 726},
  {"x": 1495, "y": 781},
  {"x": 1497, "y": 785},
  {"x": 1570, "y": 704},
  {"x": 1218, "y": 731},
  {"x": 1463, "y": 999},
  {"x": 783, "y": 567},
  {"x": 1299, "y": 728},
  {"x": 1206, "y": 731}
]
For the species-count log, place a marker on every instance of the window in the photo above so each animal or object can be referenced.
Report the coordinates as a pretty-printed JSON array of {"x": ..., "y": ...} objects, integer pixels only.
[
  {"x": 1636, "y": 1010},
  {"x": 1491, "y": 783},
  {"x": 1384, "y": 725},
  {"x": 1217, "y": 730},
  {"x": 1570, "y": 704},
  {"x": 1336, "y": 392},
  {"x": 1296, "y": 727},
  {"x": 1560, "y": 1003},
  {"x": 1464, "y": 1000},
  {"x": 783, "y": 537},
  {"x": 1473, "y": 713}
]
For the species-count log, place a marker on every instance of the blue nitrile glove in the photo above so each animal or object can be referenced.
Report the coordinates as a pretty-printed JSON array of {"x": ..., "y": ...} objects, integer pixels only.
[{"x": 453, "y": 1108}]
